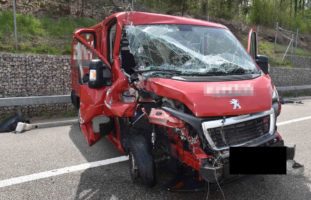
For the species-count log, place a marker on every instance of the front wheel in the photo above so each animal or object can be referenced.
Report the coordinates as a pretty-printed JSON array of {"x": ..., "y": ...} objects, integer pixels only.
[
  {"x": 133, "y": 168},
  {"x": 141, "y": 162}
]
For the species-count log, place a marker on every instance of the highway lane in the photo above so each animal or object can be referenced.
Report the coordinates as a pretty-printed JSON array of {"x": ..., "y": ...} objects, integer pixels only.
[{"x": 43, "y": 150}]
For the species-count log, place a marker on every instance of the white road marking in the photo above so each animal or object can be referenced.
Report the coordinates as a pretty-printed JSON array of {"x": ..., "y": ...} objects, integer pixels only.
[
  {"x": 56, "y": 172},
  {"x": 293, "y": 121},
  {"x": 66, "y": 170}
]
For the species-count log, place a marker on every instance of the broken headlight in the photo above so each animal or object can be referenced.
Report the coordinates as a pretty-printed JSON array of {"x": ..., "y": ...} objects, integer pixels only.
[
  {"x": 276, "y": 102},
  {"x": 275, "y": 95},
  {"x": 129, "y": 96}
]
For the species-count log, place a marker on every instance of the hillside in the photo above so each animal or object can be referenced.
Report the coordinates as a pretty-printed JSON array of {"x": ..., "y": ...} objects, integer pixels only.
[
  {"x": 43, "y": 35},
  {"x": 46, "y": 27}
]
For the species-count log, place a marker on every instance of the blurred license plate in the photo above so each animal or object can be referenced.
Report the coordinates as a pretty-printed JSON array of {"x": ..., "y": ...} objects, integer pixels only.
[{"x": 257, "y": 160}]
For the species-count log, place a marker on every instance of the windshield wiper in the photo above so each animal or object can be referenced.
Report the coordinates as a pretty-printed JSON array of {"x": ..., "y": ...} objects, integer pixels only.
[
  {"x": 218, "y": 73},
  {"x": 239, "y": 71},
  {"x": 234, "y": 69},
  {"x": 166, "y": 71}
]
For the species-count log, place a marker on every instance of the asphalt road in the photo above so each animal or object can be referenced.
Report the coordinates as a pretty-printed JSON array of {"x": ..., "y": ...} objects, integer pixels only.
[{"x": 53, "y": 148}]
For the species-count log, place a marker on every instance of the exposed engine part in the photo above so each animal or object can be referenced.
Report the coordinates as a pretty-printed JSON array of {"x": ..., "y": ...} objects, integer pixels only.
[
  {"x": 180, "y": 133},
  {"x": 138, "y": 116},
  {"x": 168, "y": 103},
  {"x": 173, "y": 104}
]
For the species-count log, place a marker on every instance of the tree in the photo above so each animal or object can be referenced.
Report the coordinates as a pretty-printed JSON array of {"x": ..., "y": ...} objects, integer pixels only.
[
  {"x": 204, "y": 7},
  {"x": 183, "y": 7}
]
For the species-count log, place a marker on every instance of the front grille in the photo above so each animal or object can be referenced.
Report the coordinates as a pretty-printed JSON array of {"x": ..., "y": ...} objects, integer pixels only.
[{"x": 239, "y": 133}]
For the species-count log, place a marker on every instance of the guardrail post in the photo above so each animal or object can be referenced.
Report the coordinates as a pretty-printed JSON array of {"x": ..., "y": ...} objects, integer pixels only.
[
  {"x": 15, "y": 26},
  {"x": 276, "y": 35}
]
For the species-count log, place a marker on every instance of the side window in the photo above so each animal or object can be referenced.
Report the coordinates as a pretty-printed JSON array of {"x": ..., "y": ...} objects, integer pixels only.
[
  {"x": 82, "y": 56},
  {"x": 111, "y": 40}
]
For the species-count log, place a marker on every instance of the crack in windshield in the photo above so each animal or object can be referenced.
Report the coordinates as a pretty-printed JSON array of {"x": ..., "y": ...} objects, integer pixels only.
[{"x": 188, "y": 50}]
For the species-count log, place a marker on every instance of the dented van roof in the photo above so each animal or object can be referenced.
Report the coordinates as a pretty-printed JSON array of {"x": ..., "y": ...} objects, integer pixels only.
[{"x": 140, "y": 18}]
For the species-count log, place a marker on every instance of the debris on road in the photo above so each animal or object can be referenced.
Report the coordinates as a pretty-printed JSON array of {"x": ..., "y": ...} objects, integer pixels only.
[
  {"x": 10, "y": 123},
  {"x": 21, "y": 127}
]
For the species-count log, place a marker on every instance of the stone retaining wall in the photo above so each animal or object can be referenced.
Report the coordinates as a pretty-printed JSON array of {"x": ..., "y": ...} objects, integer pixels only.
[
  {"x": 57, "y": 110},
  {"x": 34, "y": 75},
  {"x": 38, "y": 75},
  {"x": 300, "y": 61},
  {"x": 287, "y": 76}
]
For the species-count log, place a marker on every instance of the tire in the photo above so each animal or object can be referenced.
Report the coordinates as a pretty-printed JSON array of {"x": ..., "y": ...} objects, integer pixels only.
[
  {"x": 75, "y": 99},
  {"x": 142, "y": 167},
  {"x": 124, "y": 132}
]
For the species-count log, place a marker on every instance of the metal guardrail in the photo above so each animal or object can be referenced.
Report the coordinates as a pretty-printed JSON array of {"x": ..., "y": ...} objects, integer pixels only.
[
  {"x": 34, "y": 100},
  {"x": 293, "y": 88}
]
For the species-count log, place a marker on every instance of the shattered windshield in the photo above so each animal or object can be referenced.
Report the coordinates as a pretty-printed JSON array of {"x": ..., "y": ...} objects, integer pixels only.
[{"x": 188, "y": 50}]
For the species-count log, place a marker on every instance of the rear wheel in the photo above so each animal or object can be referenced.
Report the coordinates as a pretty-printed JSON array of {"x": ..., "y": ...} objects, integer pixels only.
[{"x": 142, "y": 168}]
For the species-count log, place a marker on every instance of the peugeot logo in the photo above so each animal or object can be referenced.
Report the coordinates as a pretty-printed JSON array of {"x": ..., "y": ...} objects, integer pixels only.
[{"x": 235, "y": 103}]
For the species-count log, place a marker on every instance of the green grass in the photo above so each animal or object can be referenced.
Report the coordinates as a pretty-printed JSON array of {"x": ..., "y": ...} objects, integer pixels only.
[
  {"x": 42, "y": 35},
  {"x": 47, "y": 35},
  {"x": 267, "y": 48}
]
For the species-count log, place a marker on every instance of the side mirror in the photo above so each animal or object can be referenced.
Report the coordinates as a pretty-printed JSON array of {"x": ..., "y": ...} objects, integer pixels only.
[
  {"x": 100, "y": 74},
  {"x": 263, "y": 62}
]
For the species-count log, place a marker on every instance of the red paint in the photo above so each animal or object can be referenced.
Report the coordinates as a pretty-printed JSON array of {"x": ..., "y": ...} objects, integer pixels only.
[
  {"x": 192, "y": 158},
  {"x": 139, "y": 18},
  {"x": 192, "y": 94},
  {"x": 162, "y": 118}
]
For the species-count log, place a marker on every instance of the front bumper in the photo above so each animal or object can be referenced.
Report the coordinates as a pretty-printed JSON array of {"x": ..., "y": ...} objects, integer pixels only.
[{"x": 212, "y": 173}]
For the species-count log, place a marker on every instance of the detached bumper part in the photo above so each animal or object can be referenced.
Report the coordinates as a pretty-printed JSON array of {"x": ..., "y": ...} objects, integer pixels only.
[
  {"x": 211, "y": 174},
  {"x": 290, "y": 152}
]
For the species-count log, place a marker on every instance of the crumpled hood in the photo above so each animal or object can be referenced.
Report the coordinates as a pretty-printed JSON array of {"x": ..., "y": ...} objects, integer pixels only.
[{"x": 217, "y": 98}]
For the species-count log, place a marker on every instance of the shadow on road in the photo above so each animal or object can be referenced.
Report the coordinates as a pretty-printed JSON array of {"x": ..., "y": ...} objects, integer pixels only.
[{"x": 113, "y": 181}]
